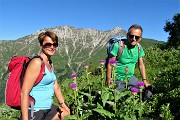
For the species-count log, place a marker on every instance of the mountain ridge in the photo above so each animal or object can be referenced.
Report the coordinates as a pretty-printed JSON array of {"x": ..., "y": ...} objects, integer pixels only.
[{"x": 77, "y": 45}]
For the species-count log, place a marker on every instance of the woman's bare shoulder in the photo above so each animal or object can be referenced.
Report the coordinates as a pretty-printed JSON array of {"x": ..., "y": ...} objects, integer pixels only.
[{"x": 35, "y": 62}]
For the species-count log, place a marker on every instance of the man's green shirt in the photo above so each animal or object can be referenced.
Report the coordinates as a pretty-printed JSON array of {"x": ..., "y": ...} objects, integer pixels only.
[{"x": 128, "y": 58}]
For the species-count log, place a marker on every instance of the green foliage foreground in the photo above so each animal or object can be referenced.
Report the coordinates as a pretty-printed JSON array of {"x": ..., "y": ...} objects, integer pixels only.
[{"x": 92, "y": 100}]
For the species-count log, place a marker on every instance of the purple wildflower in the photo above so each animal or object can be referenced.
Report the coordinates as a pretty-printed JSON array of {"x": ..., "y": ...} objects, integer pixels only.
[
  {"x": 113, "y": 62},
  {"x": 140, "y": 84},
  {"x": 126, "y": 69},
  {"x": 73, "y": 85},
  {"x": 73, "y": 76},
  {"x": 134, "y": 90},
  {"x": 86, "y": 66},
  {"x": 102, "y": 62}
]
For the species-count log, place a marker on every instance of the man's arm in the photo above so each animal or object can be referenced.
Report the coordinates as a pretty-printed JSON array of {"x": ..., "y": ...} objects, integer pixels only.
[
  {"x": 109, "y": 71},
  {"x": 143, "y": 71}
]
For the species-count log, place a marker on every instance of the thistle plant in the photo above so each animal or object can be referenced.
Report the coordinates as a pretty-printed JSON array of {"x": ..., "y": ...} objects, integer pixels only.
[
  {"x": 87, "y": 77},
  {"x": 102, "y": 72},
  {"x": 126, "y": 69},
  {"x": 75, "y": 88},
  {"x": 73, "y": 76},
  {"x": 141, "y": 86},
  {"x": 113, "y": 63},
  {"x": 135, "y": 91},
  {"x": 86, "y": 71},
  {"x": 86, "y": 66}
]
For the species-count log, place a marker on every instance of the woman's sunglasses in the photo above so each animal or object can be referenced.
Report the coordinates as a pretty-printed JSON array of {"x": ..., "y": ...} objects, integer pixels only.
[
  {"x": 48, "y": 45},
  {"x": 132, "y": 36}
]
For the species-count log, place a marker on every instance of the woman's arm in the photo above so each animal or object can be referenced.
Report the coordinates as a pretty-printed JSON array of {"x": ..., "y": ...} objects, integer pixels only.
[
  {"x": 58, "y": 92},
  {"x": 60, "y": 97},
  {"x": 30, "y": 77}
]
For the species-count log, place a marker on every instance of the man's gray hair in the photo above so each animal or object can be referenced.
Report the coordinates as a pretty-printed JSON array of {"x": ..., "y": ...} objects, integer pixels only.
[{"x": 136, "y": 26}]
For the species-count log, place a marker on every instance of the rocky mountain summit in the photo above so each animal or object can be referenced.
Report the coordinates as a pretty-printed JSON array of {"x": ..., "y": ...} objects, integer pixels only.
[{"x": 77, "y": 47}]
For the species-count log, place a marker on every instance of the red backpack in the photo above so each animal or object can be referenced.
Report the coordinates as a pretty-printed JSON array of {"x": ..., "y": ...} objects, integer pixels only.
[{"x": 17, "y": 68}]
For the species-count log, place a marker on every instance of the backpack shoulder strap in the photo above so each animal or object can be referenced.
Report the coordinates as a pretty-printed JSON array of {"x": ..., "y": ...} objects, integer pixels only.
[
  {"x": 139, "y": 47},
  {"x": 41, "y": 74},
  {"x": 120, "y": 50},
  {"x": 42, "y": 71}
]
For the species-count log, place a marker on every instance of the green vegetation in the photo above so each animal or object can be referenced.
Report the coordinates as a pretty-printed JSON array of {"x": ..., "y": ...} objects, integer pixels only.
[{"x": 96, "y": 101}]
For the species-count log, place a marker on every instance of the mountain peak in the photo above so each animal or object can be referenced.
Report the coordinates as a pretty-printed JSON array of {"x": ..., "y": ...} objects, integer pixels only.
[{"x": 117, "y": 28}]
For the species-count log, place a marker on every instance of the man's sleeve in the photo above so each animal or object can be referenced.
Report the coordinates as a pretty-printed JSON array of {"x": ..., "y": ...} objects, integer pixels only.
[
  {"x": 114, "y": 51},
  {"x": 141, "y": 54}
]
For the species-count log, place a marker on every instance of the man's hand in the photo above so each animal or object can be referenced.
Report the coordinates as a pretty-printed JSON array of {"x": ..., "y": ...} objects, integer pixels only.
[
  {"x": 108, "y": 81},
  {"x": 146, "y": 83}
]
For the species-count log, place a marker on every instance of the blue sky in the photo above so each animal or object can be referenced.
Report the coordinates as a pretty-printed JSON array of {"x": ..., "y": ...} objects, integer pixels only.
[{"x": 19, "y": 18}]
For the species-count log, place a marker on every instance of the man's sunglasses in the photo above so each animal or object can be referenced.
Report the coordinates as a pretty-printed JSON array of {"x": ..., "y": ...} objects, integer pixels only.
[
  {"x": 132, "y": 36},
  {"x": 48, "y": 45}
]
